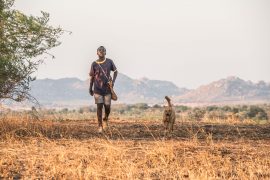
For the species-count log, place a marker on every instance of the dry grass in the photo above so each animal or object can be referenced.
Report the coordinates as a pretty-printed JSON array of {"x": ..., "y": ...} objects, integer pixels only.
[{"x": 73, "y": 150}]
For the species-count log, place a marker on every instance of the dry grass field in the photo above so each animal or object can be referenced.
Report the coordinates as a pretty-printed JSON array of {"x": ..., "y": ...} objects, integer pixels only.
[{"x": 132, "y": 149}]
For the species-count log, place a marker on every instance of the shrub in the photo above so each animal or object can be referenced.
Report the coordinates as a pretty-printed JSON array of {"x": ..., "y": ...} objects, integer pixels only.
[
  {"x": 255, "y": 112},
  {"x": 196, "y": 114}
]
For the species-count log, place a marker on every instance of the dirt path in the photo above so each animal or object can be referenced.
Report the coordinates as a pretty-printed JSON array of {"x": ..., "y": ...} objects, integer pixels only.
[{"x": 154, "y": 130}]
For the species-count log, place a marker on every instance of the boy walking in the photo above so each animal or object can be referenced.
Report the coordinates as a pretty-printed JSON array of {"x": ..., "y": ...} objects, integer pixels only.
[{"x": 99, "y": 78}]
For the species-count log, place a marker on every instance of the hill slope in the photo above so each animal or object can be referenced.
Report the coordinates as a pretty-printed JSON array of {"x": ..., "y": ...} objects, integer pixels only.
[
  {"x": 62, "y": 91},
  {"x": 231, "y": 89}
]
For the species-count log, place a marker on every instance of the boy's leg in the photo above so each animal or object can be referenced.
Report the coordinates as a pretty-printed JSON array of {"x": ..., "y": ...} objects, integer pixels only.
[
  {"x": 107, "y": 112},
  {"x": 99, "y": 114},
  {"x": 106, "y": 118},
  {"x": 99, "y": 100},
  {"x": 107, "y": 107}
]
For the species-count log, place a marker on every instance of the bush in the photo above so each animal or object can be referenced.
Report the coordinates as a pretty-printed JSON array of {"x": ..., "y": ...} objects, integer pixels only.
[
  {"x": 196, "y": 114},
  {"x": 219, "y": 114},
  {"x": 226, "y": 108},
  {"x": 181, "y": 108},
  {"x": 64, "y": 110},
  {"x": 211, "y": 108},
  {"x": 255, "y": 112},
  {"x": 235, "y": 110},
  {"x": 82, "y": 110},
  {"x": 156, "y": 106},
  {"x": 142, "y": 106}
]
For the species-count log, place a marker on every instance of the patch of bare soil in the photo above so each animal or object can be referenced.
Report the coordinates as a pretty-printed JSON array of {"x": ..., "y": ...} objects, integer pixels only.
[{"x": 145, "y": 130}]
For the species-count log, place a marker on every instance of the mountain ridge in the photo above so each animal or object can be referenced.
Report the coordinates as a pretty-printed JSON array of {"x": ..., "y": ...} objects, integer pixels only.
[
  {"x": 75, "y": 91},
  {"x": 230, "y": 89},
  {"x": 129, "y": 90}
]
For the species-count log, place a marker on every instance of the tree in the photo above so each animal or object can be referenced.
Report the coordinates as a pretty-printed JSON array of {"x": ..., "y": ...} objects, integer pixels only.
[{"x": 22, "y": 39}]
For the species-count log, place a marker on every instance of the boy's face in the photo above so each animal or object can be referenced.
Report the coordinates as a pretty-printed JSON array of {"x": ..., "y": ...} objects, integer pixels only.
[{"x": 101, "y": 53}]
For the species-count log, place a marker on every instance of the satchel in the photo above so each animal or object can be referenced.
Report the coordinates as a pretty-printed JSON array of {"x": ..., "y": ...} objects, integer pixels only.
[{"x": 114, "y": 96}]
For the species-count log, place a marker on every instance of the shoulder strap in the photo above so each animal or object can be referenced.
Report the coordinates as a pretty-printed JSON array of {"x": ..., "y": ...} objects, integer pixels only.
[{"x": 104, "y": 72}]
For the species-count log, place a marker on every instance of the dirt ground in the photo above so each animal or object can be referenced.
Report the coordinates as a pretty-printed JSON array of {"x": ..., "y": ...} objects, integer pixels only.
[
  {"x": 133, "y": 149},
  {"x": 153, "y": 130}
]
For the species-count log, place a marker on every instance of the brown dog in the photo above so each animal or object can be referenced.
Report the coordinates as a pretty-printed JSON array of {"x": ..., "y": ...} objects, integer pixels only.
[{"x": 168, "y": 116}]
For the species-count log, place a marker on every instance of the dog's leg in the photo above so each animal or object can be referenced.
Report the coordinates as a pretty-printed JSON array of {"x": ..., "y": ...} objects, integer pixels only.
[
  {"x": 166, "y": 128},
  {"x": 171, "y": 127}
]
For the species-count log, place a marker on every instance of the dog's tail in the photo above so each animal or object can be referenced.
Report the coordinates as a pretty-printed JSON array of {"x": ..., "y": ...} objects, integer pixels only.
[{"x": 168, "y": 100}]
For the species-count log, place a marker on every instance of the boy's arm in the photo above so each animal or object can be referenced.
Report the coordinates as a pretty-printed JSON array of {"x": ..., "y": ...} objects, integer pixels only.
[
  {"x": 115, "y": 73},
  {"x": 91, "y": 92},
  {"x": 91, "y": 74}
]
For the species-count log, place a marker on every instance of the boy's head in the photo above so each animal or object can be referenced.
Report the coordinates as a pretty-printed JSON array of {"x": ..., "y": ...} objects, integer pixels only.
[{"x": 101, "y": 51}]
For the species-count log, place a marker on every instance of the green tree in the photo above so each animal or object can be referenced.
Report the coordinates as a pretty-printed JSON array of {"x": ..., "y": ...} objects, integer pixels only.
[{"x": 22, "y": 39}]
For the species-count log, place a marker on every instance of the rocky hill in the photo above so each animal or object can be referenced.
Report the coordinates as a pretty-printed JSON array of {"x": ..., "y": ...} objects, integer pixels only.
[
  {"x": 231, "y": 89},
  {"x": 75, "y": 91}
]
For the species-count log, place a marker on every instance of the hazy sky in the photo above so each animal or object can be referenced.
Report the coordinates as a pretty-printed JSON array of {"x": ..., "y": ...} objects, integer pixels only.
[{"x": 188, "y": 42}]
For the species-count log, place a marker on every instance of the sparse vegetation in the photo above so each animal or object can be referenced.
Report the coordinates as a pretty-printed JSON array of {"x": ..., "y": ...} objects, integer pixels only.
[{"x": 64, "y": 144}]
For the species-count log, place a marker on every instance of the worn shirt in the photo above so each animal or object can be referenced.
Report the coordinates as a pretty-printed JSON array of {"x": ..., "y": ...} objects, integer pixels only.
[{"x": 100, "y": 80}]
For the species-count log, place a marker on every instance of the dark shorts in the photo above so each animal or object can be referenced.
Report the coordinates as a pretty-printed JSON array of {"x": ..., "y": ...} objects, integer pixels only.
[{"x": 103, "y": 99}]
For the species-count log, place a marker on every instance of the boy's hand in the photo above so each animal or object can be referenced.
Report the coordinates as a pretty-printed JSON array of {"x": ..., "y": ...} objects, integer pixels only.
[
  {"x": 91, "y": 92},
  {"x": 111, "y": 84}
]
